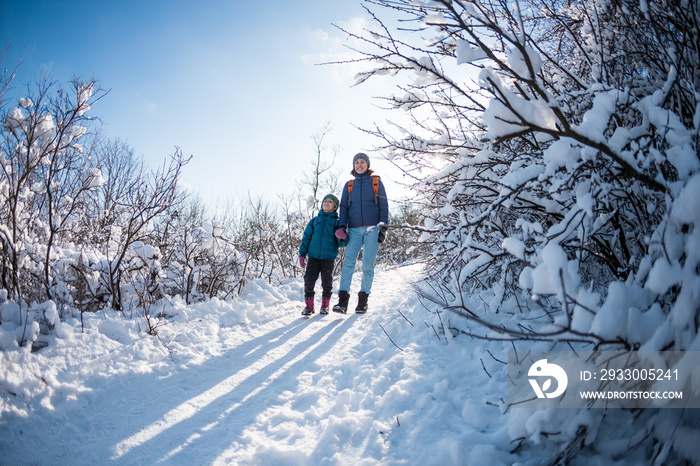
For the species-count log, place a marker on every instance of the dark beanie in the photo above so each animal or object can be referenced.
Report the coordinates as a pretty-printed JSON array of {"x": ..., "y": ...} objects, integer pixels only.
[
  {"x": 332, "y": 198},
  {"x": 360, "y": 155}
]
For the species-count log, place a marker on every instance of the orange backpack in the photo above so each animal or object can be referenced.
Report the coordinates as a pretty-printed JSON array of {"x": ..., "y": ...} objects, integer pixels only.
[{"x": 375, "y": 187}]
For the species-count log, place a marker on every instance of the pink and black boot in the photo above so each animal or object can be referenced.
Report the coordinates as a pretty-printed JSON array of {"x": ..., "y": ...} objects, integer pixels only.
[
  {"x": 325, "y": 305},
  {"x": 309, "y": 309}
]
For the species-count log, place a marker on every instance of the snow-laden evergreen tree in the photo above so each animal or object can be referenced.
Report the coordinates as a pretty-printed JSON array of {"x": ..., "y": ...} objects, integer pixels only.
[{"x": 555, "y": 145}]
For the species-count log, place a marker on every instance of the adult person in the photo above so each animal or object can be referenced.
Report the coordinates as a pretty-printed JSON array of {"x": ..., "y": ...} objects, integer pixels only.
[{"x": 364, "y": 214}]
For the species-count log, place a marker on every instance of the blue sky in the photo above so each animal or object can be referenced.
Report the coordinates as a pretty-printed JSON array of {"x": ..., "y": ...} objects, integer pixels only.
[{"x": 234, "y": 83}]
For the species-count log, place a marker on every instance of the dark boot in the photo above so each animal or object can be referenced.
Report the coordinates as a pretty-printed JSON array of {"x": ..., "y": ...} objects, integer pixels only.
[
  {"x": 342, "y": 306},
  {"x": 361, "y": 302}
]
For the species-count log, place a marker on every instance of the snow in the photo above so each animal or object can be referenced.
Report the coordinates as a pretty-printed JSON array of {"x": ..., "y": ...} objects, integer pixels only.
[
  {"x": 466, "y": 54},
  {"x": 249, "y": 381},
  {"x": 434, "y": 20},
  {"x": 553, "y": 270},
  {"x": 663, "y": 275},
  {"x": 521, "y": 64},
  {"x": 93, "y": 178},
  {"x": 83, "y": 94},
  {"x": 686, "y": 209},
  {"x": 503, "y": 120},
  {"x": 595, "y": 120},
  {"x": 515, "y": 247},
  {"x": 252, "y": 382}
]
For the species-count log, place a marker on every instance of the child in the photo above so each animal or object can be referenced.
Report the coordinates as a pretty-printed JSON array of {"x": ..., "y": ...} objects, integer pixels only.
[{"x": 321, "y": 245}]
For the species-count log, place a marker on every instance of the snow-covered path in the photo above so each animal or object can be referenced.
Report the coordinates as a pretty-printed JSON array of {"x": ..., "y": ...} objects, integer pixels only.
[{"x": 325, "y": 390}]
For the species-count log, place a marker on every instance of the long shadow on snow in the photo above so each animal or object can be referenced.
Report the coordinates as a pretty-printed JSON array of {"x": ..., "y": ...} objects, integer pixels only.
[
  {"x": 160, "y": 396},
  {"x": 223, "y": 421}
]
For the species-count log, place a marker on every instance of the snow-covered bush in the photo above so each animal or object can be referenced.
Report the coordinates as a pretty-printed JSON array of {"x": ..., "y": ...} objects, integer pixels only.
[
  {"x": 259, "y": 234},
  {"x": 556, "y": 148},
  {"x": 200, "y": 263},
  {"x": 71, "y": 207},
  {"x": 401, "y": 245},
  {"x": 85, "y": 224},
  {"x": 18, "y": 327},
  {"x": 45, "y": 173}
]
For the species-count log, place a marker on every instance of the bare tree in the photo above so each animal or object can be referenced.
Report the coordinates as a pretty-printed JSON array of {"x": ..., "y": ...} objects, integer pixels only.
[
  {"x": 200, "y": 260},
  {"x": 150, "y": 194},
  {"x": 258, "y": 234},
  {"x": 322, "y": 175},
  {"x": 293, "y": 210},
  {"x": 125, "y": 207},
  {"x": 68, "y": 177},
  {"x": 6, "y": 76}
]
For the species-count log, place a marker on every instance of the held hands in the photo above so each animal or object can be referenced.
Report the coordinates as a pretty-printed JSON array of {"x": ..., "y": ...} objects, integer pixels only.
[
  {"x": 341, "y": 233},
  {"x": 383, "y": 227},
  {"x": 302, "y": 262}
]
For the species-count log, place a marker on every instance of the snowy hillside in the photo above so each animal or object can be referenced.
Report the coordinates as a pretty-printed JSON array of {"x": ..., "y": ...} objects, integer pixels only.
[{"x": 252, "y": 382}]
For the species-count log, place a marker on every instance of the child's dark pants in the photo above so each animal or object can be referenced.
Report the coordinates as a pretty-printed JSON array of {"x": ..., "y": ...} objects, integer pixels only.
[{"x": 314, "y": 267}]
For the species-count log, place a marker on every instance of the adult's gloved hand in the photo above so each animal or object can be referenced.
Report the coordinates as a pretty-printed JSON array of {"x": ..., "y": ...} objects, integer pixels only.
[
  {"x": 341, "y": 233},
  {"x": 302, "y": 262},
  {"x": 381, "y": 236}
]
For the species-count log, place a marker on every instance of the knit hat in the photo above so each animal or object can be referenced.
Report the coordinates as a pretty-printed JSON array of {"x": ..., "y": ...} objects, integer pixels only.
[
  {"x": 360, "y": 155},
  {"x": 335, "y": 200}
]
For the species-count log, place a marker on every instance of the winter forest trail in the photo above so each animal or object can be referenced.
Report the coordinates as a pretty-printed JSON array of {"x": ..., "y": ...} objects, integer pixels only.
[{"x": 325, "y": 389}]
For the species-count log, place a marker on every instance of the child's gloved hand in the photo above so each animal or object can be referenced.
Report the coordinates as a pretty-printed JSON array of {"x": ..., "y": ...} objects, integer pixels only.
[
  {"x": 302, "y": 262},
  {"x": 341, "y": 233},
  {"x": 381, "y": 236}
]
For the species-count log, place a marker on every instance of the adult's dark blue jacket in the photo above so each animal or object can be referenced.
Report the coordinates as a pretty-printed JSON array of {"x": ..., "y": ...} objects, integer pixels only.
[
  {"x": 360, "y": 208},
  {"x": 319, "y": 239}
]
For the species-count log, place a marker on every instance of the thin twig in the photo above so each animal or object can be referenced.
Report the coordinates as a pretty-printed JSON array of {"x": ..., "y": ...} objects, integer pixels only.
[
  {"x": 406, "y": 318},
  {"x": 8, "y": 391},
  {"x": 495, "y": 358},
  {"x": 390, "y": 338},
  {"x": 484, "y": 367},
  {"x": 435, "y": 331}
]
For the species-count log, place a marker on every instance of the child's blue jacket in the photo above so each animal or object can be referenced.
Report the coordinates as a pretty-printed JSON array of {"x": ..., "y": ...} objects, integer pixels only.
[{"x": 319, "y": 239}]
